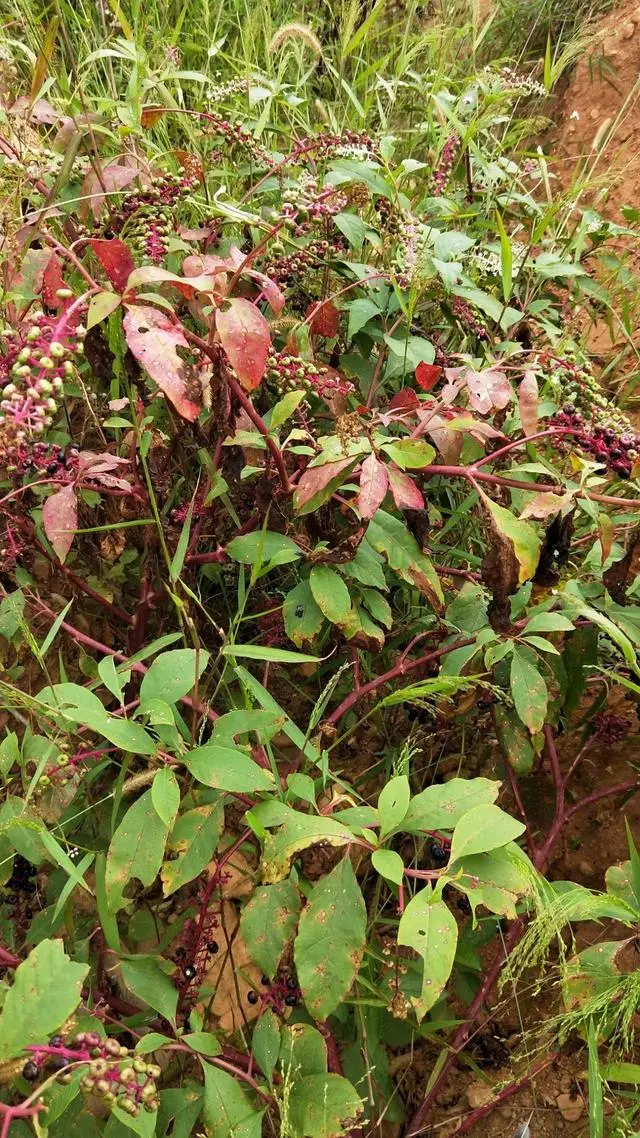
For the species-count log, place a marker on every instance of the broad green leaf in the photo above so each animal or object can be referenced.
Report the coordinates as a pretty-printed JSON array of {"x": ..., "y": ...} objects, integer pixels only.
[
  {"x": 389, "y": 865},
  {"x": 173, "y": 675},
  {"x": 323, "y": 1106},
  {"x": 330, "y": 942},
  {"x": 549, "y": 622},
  {"x": 483, "y": 828},
  {"x": 263, "y": 547},
  {"x": 522, "y": 535},
  {"x": 136, "y": 850},
  {"x": 429, "y": 929},
  {"x": 268, "y": 922},
  {"x": 393, "y": 803},
  {"x": 227, "y": 768},
  {"x": 297, "y": 833},
  {"x": 303, "y": 1052},
  {"x": 165, "y": 795},
  {"x": 302, "y": 617},
  {"x": 618, "y": 880},
  {"x": 265, "y": 1042},
  {"x": 282, "y": 410},
  {"x": 468, "y": 610},
  {"x": 123, "y": 733},
  {"x": 153, "y": 1041},
  {"x": 226, "y": 1102},
  {"x": 233, "y": 725},
  {"x": 497, "y": 879},
  {"x": 45, "y": 992},
  {"x": 529, "y": 690},
  {"x": 194, "y": 839},
  {"x": 366, "y": 567},
  {"x": 330, "y": 593},
  {"x": 514, "y": 739},
  {"x": 410, "y": 454},
  {"x": 441, "y": 806},
  {"x": 112, "y": 680},
  {"x": 270, "y": 655},
  {"x": 361, "y": 311},
  {"x": 389, "y": 536},
  {"x": 148, "y": 980},
  {"x": 101, "y": 305},
  {"x": 378, "y": 606},
  {"x": 203, "y": 1042}
]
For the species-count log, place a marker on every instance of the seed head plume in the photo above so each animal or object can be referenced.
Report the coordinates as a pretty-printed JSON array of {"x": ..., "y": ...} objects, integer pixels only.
[{"x": 295, "y": 32}]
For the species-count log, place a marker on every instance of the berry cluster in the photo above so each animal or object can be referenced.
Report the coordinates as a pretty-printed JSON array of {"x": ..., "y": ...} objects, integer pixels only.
[
  {"x": 409, "y": 250},
  {"x": 291, "y": 373},
  {"x": 44, "y": 458},
  {"x": 236, "y": 135},
  {"x": 442, "y": 172},
  {"x": 470, "y": 319},
  {"x": 147, "y": 215},
  {"x": 278, "y": 994},
  {"x": 32, "y": 375},
  {"x": 600, "y": 428},
  {"x": 284, "y": 269},
  {"x": 68, "y": 764},
  {"x": 610, "y": 727},
  {"x": 308, "y": 203},
  {"x": 113, "y": 1074},
  {"x": 351, "y": 144}
]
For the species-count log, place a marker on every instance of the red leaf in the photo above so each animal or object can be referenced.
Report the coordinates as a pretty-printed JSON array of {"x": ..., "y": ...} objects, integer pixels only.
[
  {"x": 324, "y": 319},
  {"x": 52, "y": 280},
  {"x": 211, "y": 263},
  {"x": 528, "y": 401},
  {"x": 93, "y": 194},
  {"x": 244, "y": 334},
  {"x": 373, "y": 486},
  {"x": 154, "y": 339},
  {"x": 191, "y": 164},
  {"x": 405, "y": 492},
  {"x": 427, "y": 375},
  {"x": 405, "y": 400},
  {"x": 151, "y": 115},
  {"x": 116, "y": 260},
  {"x": 60, "y": 520},
  {"x": 318, "y": 478}
]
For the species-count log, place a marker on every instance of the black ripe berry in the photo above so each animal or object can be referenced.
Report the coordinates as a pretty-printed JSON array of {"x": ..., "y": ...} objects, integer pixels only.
[
  {"x": 189, "y": 972},
  {"x": 56, "y": 1041},
  {"x": 30, "y": 1071},
  {"x": 52, "y": 468},
  {"x": 264, "y": 980},
  {"x": 290, "y": 1001},
  {"x": 292, "y": 983},
  {"x": 252, "y": 997},
  {"x": 439, "y": 853},
  {"x": 212, "y": 947}
]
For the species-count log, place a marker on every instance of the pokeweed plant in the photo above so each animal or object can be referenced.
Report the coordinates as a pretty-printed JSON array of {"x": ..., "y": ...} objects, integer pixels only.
[{"x": 297, "y": 440}]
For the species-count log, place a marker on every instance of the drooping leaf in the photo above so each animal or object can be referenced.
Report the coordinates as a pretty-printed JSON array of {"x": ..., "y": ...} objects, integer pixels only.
[
  {"x": 483, "y": 828},
  {"x": 330, "y": 593},
  {"x": 147, "y": 978},
  {"x": 619, "y": 882},
  {"x": 323, "y": 318},
  {"x": 154, "y": 340},
  {"x": 227, "y": 768},
  {"x": 301, "y": 615},
  {"x": 45, "y": 992},
  {"x": 404, "y": 491},
  {"x": 123, "y": 733},
  {"x": 389, "y": 536},
  {"x": 497, "y": 879},
  {"x": 194, "y": 838},
  {"x": 373, "y": 486},
  {"x": 136, "y": 850},
  {"x": 429, "y": 928},
  {"x": 265, "y": 1042},
  {"x": 245, "y": 337},
  {"x": 521, "y": 535},
  {"x": 514, "y": 739},
  {"x": 528, "y": 402},
  {"x": 268, "y": 923},
  {"x": 318, "y": 483},
  {"x": 298, "y": 832},
  {"x": 323, "y": 1106},
  {"x": 389, "y": 865},
  {"x": 165, "y": 795},
  {"x": 393, "y": 803},
  {"x": 173, "y": 674},
  {"x": 116, "y": 260},
  {"x": 227, "y": 1103},
  {"x": 529, "y": 690},
  {"x": 60, "y": 520},
  {"x": 303, "y": 1051},
  {"x": 330, "y": 942}
]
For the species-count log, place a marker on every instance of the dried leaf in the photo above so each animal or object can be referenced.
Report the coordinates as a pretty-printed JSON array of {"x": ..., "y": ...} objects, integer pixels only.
[
  {"x": 113, "y": 178},
  {"x": 232, "y": 976},
  {"x": 154, "y": 339},
  {"x": 544, "y": 505},
  {"x": 245, "y": 337},
  {"x": 52, "y": 280},
  {"x": 60, "y": 520},
  {"x": 488, "y": 389},
  {"x": 373, "y": 486},
  {"x": 528, "y": 403},
  {"x": 116, "y": 260},
  {"x": 618, "y": 577}
]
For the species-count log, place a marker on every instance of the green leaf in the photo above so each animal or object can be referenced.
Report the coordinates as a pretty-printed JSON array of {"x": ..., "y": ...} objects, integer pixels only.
[
  {"x": 263, "y": 547},
  {"x": 515, "y": 740},
  {"x": 393, "y": 803},
  {"x": 506, "y": 260},
  {"x": 487, "y": 303},
  {"x": 303, "y": 1052},
  {"x": 153, "y": 1041},
  {"x": 497, "y": 879},
  {"x": 177, "y": 561},
  {"x": 483, "y": 828},
  {"x": 282, "y": 410},
  {"x": 330, "y": 942},
  {"x": 148, "y": 980},
  {"x": 529, "y": 691},
  {"x": 330, "y": 594},
  {"x": 297, "y": 833},
  {"x": 101, "y": 305},
  {"x": 323, "y": 1106},
  {"x": 123, "y": 733},
  {"x": 136, "y": 850},
  {"x": 378, "y": 606},
  {"x": 61, "y": 858},
  {"x": 112, "y": 680},
  {"x": 618, "y": 882},
  {"x": 389, "y": 865},
  {"x": 172, "y": 675},
  {"x": 634, "y": 861},
  {"x": 429, "y": 929},
  {"x": 45, "y": 992},
  {"x": 165, "y": 795},
  {"x": 522, "y": 535},
  {"x": 621, "y": 1073},
  {"x": 194, "y": 839},
  {"x": 389, "y": 536},
  {"x": 227, "y": 768},
  {"x": 596, "y": 1104},
  {"x": 355, "y": 231},
  {"x": 549, "y": 622},
  {"x": 302, "y": 617},
  {"x": 272, "y": 655},
  {"x": 410, "y": 454},
  {"x": 203, "y": 1042},
  {"x": 265, "y": 1042},
  {"x": 441, "y": 806},
  {"x": 366, "y": 567},
  {"x": 468, "y": 610},
  {"x": 268, "y": 922},
  {"x": 226, "y": 1102}
]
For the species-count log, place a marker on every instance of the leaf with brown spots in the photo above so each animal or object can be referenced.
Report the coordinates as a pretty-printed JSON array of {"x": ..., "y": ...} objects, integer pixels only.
[
  {"x": 330, "y": 941},
  {"x": 268, "y": 923},
  {"x": 428, "y": 927}
]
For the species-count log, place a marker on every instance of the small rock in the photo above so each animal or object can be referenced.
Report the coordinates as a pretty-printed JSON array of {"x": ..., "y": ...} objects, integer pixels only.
[
  {"x": 570, "y": 1108},
  {"x": 627, "y": 30},
  {"x": 594, "y": 114},
  {"x": 479, "y": 1094}
]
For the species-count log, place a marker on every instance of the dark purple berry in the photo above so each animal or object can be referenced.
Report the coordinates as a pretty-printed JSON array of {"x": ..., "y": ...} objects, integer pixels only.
[
  {"x": 264, "y": 980},
  {"x": 439, "y": 853},
  {"x": 213, "y": 946},
  {"x": 52, "y": 468},
  {"x": 56, "y": 1041},
  {"x": 59, "y": 1062},
  {"x": 189, "y": 972},
  {"x": 252, "y": 997},
  {"x": 292, "y": 983},
  {"x": 290, "y": 1001},
  {"x": 30, "y": 1071}
]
